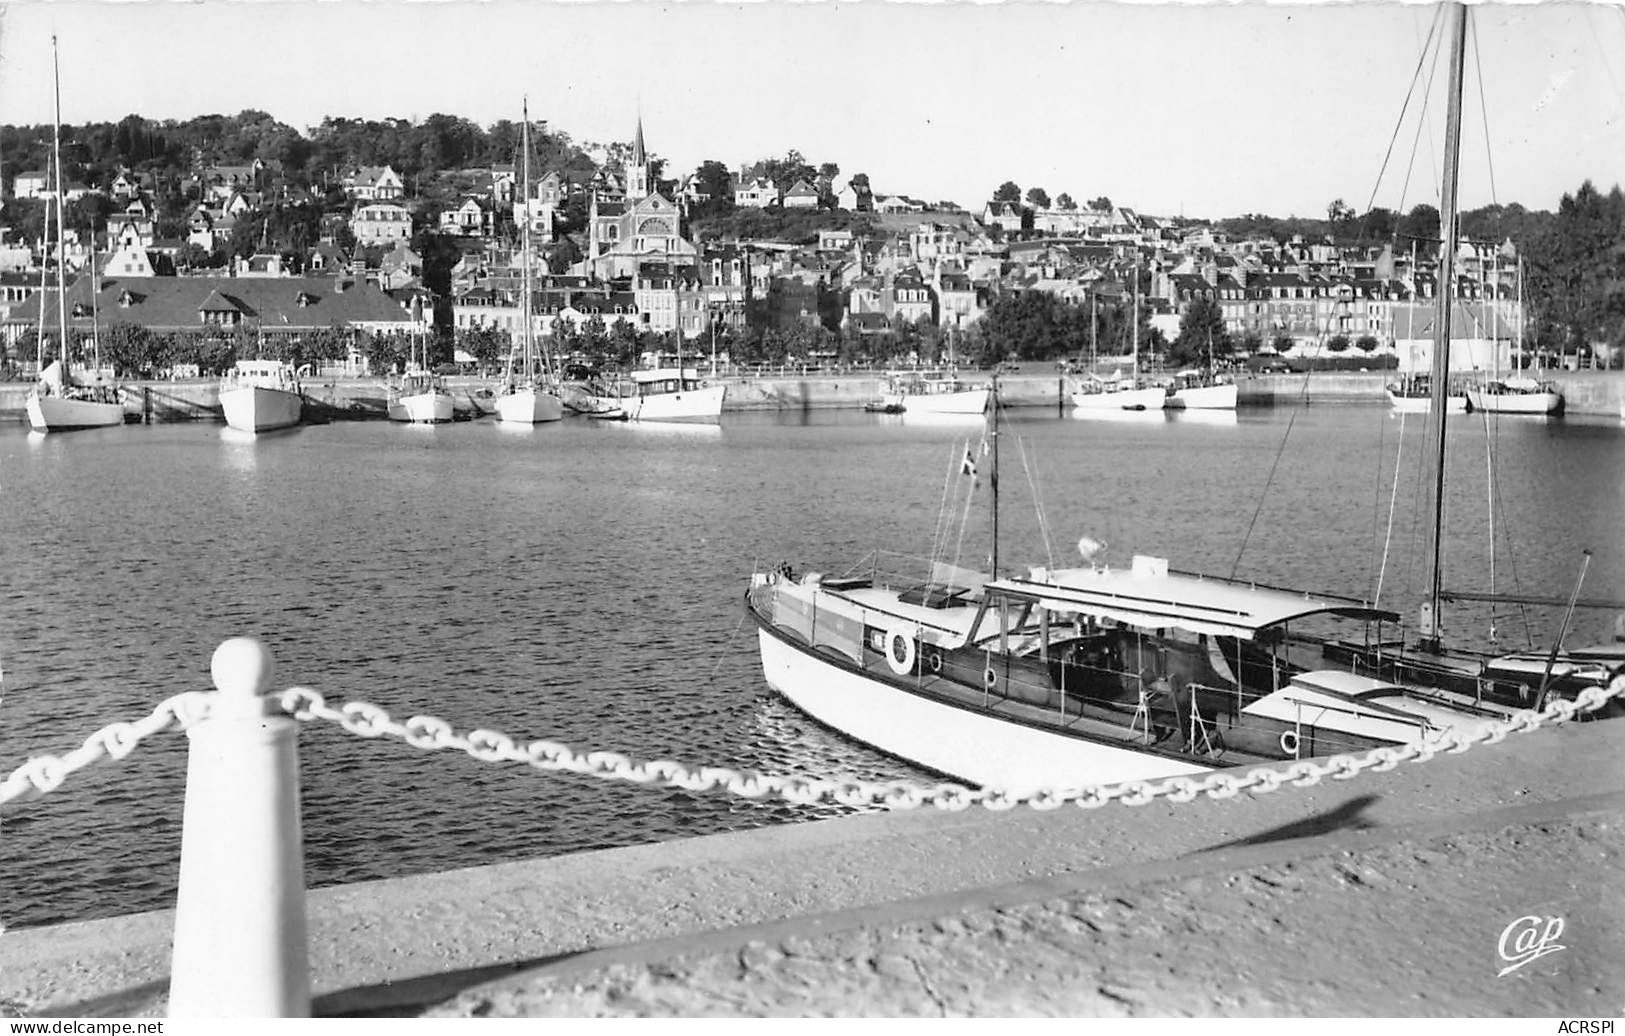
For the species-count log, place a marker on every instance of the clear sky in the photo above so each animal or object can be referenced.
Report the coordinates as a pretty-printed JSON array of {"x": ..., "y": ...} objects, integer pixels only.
[{"x": 1205, "y": 109}]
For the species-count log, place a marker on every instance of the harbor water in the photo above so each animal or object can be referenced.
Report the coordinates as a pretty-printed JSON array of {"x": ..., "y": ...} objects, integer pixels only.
[{"x": 583, "y": 582}]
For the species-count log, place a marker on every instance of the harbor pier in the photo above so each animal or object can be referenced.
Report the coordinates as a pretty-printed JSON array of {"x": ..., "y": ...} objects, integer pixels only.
[
  {"x": 1587, "y": 393},
  {"x": 1391, "y": 892}
]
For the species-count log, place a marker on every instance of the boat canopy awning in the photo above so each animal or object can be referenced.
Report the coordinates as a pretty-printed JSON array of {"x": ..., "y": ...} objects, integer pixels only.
[{"x": 1148, "y": 596}]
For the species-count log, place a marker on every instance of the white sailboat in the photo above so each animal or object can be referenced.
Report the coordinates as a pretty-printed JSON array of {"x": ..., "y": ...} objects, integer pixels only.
[
  {"x": 1517, "y": 394},
  {"x": 526, "y": 399},
  {"x": 1096, "y": 393},
  {"x": 261, "y": 396},
  {"x": 420, "y": 396},
  {"x": 58, "y": 403}
]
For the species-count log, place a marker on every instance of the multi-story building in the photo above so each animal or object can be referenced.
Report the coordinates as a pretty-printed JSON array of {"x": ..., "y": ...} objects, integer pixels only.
[{"x": 380, "y": 223}]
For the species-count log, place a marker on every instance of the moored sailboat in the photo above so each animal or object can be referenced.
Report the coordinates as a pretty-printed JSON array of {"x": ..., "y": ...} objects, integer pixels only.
[
  {"x": 1122, "y": 394},
  {"x": 1517, "y": 394},
  {"x": 526, "y": 398},
  {"x": 420, "y": 397},
  {"x": 59, "y": 403}
]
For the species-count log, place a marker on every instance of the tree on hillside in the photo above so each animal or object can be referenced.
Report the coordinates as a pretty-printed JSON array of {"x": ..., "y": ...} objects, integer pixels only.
[
  {"x": 1064, "y": 202},
  {"x": 784, "y": 172},
  {"x": 1420, "y": 225},
  {"x": 1577, "y": 271},
  {"x": 1341, "y": 216},
  {"x": 1008, "y": 191},
  {"x": 1201, "y": 333},
  {"x": 1378, "y": 225},
  {"x": 1101, "y": 204},
  {"x": 1037, "y": 197},
  {"x": 713, "y": 178}
]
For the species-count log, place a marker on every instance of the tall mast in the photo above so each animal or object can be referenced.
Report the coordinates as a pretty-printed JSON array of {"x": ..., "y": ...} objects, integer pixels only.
[
  {"x": 524, "y": 241},
  {"x": 1518, "y": 341},
  {"x": 61, "y": 238},
  {"x": 1134, "y": 320},
  {"x": 44, "y": 284},
  {"x": 1094, "y": 298},
  {"x": 993, "y": 477},
  {"x": 1449, "y": 235}
]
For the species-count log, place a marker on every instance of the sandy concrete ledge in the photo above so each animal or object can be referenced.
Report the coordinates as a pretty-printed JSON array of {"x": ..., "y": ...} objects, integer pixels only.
[{"x": 414, "y": 941}]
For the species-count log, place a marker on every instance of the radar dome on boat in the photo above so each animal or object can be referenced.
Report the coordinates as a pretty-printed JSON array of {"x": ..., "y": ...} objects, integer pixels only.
[{"x": 1089, "y": 547}]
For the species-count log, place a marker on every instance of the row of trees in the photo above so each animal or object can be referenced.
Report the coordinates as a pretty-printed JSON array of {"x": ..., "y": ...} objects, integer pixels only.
[{"x": 1038, "y": 198}]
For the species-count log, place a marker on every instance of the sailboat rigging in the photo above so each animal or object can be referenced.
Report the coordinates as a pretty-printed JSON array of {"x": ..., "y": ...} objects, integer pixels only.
[
  {"x": 1508, "y": 678},
  {"x": 527, "y": 399}
]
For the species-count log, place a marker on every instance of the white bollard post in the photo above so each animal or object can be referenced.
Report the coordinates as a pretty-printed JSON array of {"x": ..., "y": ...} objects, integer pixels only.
[{"x": 240, "y": 948}]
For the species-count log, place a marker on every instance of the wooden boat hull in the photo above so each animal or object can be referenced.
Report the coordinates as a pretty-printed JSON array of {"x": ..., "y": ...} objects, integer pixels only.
[
  {"x": 63, "y": 414},
  {"x": 965, "y": 401},
  {"x": 1125, "y": 399},
  {"x": 1538, "y": 404},
  {"x": 971, "y": 746},
  {"x": 253, "y": 408},
  {"x": 423, "y": 408},
  {"x": 1424, "y": 404},
  {"x": 528, "y": 406},
  {"x": 1204, "y": 397},
  {"x": 702, "y": 404}
]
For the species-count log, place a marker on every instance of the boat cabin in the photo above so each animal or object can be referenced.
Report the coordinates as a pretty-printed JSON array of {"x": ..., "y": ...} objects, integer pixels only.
[{"x": 665, "y": 380}]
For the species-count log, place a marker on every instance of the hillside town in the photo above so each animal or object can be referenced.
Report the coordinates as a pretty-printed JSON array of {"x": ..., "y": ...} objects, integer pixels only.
[{"x": 868, "y": 277}]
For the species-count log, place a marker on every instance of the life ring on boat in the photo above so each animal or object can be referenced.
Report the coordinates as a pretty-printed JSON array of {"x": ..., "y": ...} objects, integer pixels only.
[
  {"x": 900, "y": 652},
  {"x": 1290, "y": 743},
  {"x": 933, "y": 660},
  {"x": 990, "y": 678}
]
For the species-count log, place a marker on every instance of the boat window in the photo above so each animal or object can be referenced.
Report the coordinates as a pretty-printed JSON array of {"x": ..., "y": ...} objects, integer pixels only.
[{"x": 935, "y": 596}]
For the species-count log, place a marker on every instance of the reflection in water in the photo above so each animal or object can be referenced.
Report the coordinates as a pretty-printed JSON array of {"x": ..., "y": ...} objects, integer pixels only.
[
  {"x": 927, "y": 420},
  {"x": 1219, "y": 418},
  {"x": 1124, "y": 416},
  {"x": 696, "y": 430}
]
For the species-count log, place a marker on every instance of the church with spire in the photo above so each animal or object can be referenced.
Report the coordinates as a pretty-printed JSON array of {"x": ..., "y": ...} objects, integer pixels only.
[{"x": 642, "y": 227}]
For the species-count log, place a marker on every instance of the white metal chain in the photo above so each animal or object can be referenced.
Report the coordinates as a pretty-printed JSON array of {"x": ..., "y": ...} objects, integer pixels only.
[
  {"x": 429, "y": 733},
  {"x": 44, "y": 773}
]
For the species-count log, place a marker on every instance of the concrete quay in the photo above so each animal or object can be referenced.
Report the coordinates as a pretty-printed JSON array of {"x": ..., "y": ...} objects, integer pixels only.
[
  {"x": 1587, "y": 393},
  {"x": 1388, "y": 894}
]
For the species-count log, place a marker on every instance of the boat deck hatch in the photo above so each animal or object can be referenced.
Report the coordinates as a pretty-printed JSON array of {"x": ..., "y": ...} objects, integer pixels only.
[
  {"x": 847, "y": 583},
  {"x": 935, "y": 596}
]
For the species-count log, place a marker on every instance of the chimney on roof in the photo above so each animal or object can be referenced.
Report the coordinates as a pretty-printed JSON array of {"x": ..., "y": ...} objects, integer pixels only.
[{"x": 339, "y": 285}]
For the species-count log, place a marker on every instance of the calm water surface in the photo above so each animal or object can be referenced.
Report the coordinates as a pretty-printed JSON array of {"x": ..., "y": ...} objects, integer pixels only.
[{"x": 583, "y": 582}]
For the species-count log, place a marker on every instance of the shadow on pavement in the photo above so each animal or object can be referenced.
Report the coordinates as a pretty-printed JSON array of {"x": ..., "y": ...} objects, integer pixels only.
[
  {"x": 408, "y": 997},
  {"x": 1347, "y": 817}
]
